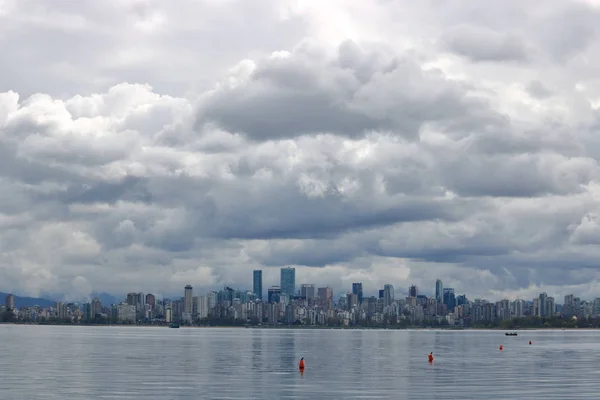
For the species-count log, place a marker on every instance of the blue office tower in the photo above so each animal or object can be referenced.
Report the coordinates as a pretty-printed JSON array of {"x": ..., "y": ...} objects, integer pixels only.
[
  {"x": 288, "y": 281},
  {"x": 257, "y": 283}
]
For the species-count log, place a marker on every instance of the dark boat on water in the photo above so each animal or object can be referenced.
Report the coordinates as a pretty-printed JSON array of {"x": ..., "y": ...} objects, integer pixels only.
[
  {"x": 174, "y": 325},
  {"x": 510, "y": 334}
]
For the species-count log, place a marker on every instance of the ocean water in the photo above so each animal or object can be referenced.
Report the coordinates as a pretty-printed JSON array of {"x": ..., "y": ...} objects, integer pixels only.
[{"x": 77, "y": 363}]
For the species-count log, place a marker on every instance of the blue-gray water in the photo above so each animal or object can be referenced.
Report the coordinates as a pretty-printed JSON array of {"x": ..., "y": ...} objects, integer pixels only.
[{"x": 76, "y": 363}]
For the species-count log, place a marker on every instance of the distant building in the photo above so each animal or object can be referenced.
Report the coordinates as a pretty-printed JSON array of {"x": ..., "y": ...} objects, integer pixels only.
[
  {"x": 132, "y": 299},
  {"x": 449, "y": 299},
  {"x": 168, "y": 314},
  {"x": 357, "y": 289},
  {"x": 274, "y": 294},
  {"x": 307, "y": 291},
  {"x": 388, "y": 295},
  {"x": 188, "y": 301},
  {"x": 439, "y": 291},
  {"x": 325, "y": 295},
  {"x": 413, "y": 291},
  {"x": 126, "y": 312},
  {"x": 61, "y": 310},
  {"x": 257, "y": 283},
  {"x": 96, "y": 307},
  {"x": 151, "y": 301},
  {"x": 288, "y": 281},
  {"x": 9, "y": 302},
  {"x": 202, "y": 307}
]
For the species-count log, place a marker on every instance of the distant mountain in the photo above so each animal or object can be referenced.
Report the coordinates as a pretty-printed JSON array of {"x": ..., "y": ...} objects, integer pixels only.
[
  {"x": 28, "y": 301},
  {"x": 106, "y": 298}
]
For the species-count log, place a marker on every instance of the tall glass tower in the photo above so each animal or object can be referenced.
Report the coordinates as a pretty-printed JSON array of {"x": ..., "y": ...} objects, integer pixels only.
[
  {"x": 288, "y": 281},
  {"x": 188, "y": 295},
  {"x": 439, "y": 291},
  {"x": 358, "y": 291},
  {"x": 388, "y": 295},
  {"x": 257, "y": 283}
]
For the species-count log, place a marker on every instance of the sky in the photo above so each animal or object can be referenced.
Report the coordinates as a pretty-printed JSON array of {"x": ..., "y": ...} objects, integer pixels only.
[{"x": 146, "y": 145}]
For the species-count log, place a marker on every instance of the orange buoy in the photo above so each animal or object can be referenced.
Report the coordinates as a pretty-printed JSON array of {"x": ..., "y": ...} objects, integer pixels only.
[
  {"x": 301, "y": 364},
  {"x": 431, "y": 357},
  {"x": 500, "y": 347},
  {"x": 530, "y": 342}
]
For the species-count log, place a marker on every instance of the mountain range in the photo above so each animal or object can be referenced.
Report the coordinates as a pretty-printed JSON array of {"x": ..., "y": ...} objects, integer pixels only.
[
  {"x": 23, "y": 301},
  {"x": 27, "y": 301}
]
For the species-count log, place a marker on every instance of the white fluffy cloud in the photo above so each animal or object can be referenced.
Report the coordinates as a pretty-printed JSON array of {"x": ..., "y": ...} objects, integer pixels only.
[{"x": 146, "y": 145}]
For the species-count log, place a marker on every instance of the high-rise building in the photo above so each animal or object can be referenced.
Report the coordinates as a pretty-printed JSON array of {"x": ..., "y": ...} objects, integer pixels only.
[
  {"x": 195, "y": 306},
  {"x": 188, "y": 302},
  {"x": 126, "y": 313},
  {"x": 61, "y": 310},
  {"x": 439, "y": 291},
  {"x": 357, "y": 289},
  {"x": 96, "y": 307},
  {"x": 9, "y": 302},
  {"x": 388, "y": 295},
  {"x": 273, "y": 294},
  {"x": 151, "y": 301},
  {"x": 87, "y": 311},
  {"x": 325, "y": 295},
  {"x": 132, "y": 299},
  {"x": 381, "y": 293},
  {"x": 288, "y": 281},
  {"x": 257, "y": 283},
  {"x": 413, "y": 291},
  {"x": 518, "y": 308},
  {"x": 307, "y": 291},
  {"x": 449, "y": 299},
  {"x": 544, "y": 306},
  {"x": 141, "y": 302},
  {"x": 202, "y": 307}
]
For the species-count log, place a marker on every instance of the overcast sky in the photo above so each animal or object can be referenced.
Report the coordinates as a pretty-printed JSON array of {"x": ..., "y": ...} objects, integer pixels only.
[{"x": 149, "y": 144}]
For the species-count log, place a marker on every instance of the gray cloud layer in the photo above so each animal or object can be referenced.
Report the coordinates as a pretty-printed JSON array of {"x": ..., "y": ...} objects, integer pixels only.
[{"x": 466, "y": 150}]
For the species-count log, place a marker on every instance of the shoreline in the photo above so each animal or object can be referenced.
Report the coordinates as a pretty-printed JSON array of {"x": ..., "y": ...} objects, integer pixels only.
[{"x": 291, "y": 327}]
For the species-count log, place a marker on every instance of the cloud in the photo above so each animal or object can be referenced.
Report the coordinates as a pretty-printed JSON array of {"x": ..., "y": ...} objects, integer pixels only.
[
  {"x": 483, "y": 44},
  {"x": 141, "y": 156},
  {"x": 348, "y": 92}
]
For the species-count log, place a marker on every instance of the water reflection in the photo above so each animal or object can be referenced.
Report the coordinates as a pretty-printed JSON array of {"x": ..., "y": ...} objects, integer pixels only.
[{"x": 153, "y": 363}]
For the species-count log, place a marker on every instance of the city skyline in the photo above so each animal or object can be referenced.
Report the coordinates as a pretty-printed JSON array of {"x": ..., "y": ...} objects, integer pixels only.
[
  {"x": 438, "y": 291},
  {"x": 314, "y": 306}
]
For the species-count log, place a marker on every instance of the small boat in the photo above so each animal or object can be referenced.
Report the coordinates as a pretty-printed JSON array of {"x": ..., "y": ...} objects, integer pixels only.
[
  {"x": 511, "y": 334},
  {"x": 174, "y": 325}
]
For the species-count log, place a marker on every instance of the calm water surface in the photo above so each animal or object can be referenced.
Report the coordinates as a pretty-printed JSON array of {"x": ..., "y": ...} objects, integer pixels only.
[{"x": 77, "y": 363}]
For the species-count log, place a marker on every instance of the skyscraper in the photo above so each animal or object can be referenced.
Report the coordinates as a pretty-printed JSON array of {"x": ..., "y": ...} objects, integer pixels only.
[
  {"x": 439, "y": 291},
  {"x": 358, "y": 290},
  {"x": 388, "y": 295},
  {"x": 9, "y": 302},
  {"x": 257, "y": 283},
  {"x": 132, "y": 299},
  {"x": 449, "y": 299},
  {"x": 96, "y": 307},
  {"x": 273, "y": 294},
  {"x": 288, "y": 281},
  {"x": 413, "y": 291},
  {"x": 151, "y": 300},
  {"x": 188, "y": 303},
  {"x": 325, "y": 297},
  {"x": 307, "y": 290}
]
